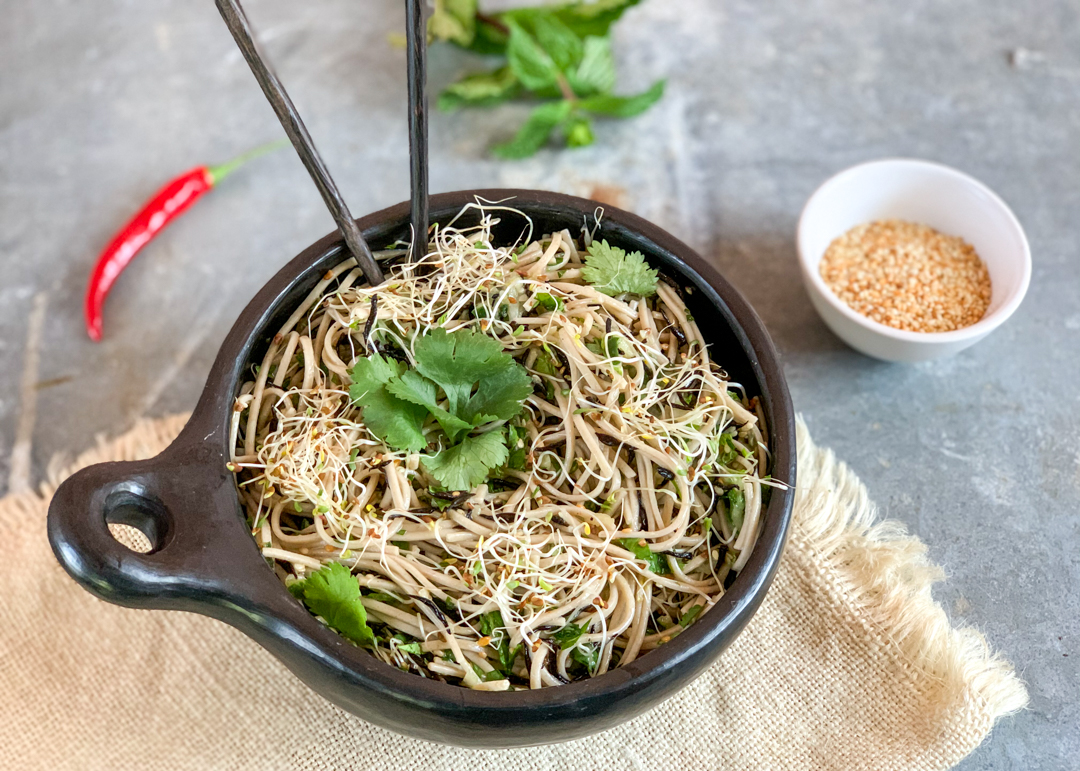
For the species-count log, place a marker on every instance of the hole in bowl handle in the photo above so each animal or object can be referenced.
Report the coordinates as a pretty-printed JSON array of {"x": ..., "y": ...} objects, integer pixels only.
[{"x": 199, "y": 546}]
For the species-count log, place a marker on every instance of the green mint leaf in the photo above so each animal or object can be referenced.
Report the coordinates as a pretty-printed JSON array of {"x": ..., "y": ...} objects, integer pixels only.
[
  {"x": 395, "y": 421},
  {"x": 382, "y": 597},
  {"x": 736, "y": 509},
  {"x": 483, "y": 89},
  {"x": 453, "y": 20},
  {"x": 465, "y": 465},
  {"x": 537, "y": 130},
  {"x": 596, "y": 73},
  {"x": 689, "y": 616},
  {"x": 459, "y": 360},
  {"x": 416, "y": 389},
  {"x": 491, "y": 625},
  {"x": 559, "y": 41},
  {"x": 532, "y": 65},
  {"x": 588, "y": 655},
  {"x": 579, "y": 131},
  {"x": 656, "y": 562},
  {"x": 499, "y": 396},
  {"x": 623, "y": 106},
  {"x": 515, "y": 443},
  {"x": 333, "y": 593},
  {"x": 413, "y": 647},
  {"x": 548, "y": 303},
  {"x": 568, "y": 635},
  {"x": 612, "y": 271},
  {"x": 593, "y": 18},
  {"x": 607, "y": 347},
  {"x": 545, "y": 364}
]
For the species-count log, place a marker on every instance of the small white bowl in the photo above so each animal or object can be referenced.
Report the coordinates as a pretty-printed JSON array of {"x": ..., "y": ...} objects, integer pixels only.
[{"x": 931, "y": 194}]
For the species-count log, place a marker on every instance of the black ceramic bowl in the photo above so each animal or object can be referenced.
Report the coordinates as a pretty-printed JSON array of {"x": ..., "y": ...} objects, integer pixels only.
[{"x": 205, "y": 560}]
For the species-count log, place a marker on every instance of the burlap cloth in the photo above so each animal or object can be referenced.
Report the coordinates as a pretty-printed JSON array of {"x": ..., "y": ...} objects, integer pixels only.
[{"x": 849, "y": 664}]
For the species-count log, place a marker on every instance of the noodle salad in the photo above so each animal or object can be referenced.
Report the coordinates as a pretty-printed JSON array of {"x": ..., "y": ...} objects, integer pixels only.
[{"x": 508, "y": 466}]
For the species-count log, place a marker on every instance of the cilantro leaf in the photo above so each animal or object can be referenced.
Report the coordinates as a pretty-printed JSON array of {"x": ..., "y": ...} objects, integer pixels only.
[
  {"x": 623, "y": 106},
  {"x": 395, "y": 421},
  {"x": 466, "y": 464},
  {"x": 458, "y": 360},
  {"x": 596, "y": 72},
  {"x": 612, "y": 271},
  {"x": 453, "y": 20},
  {"x": 499, "y": 396},
  {"x": 532, "y": 65},
  {"x": 483, "y": 89},
  {"x": 416, "y": 389},
  {"x": 655, "y": 561},
  {"x": 333, "y": 593},
  {"x": 543, "y": 120}
]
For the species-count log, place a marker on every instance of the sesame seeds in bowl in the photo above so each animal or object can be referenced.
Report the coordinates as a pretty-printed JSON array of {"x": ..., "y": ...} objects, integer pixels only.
[
  {"x": 908, "y": 260},
  {"x": 908, "y": 276}
]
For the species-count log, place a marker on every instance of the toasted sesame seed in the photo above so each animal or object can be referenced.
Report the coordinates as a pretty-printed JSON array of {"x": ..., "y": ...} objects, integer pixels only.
[{"x": 908, "y": 276}]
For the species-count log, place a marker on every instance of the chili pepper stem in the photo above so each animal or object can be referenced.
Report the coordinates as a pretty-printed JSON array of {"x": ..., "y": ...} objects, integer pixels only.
[{"x": 218, "y": 173}]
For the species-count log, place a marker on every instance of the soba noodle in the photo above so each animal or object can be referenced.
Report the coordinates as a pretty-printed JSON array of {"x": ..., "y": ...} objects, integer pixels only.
[{"x": 631, "y": 497}]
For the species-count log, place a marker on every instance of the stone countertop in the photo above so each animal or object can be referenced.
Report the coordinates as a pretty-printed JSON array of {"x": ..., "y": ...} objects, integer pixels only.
[{"x": 979, "y": 454}]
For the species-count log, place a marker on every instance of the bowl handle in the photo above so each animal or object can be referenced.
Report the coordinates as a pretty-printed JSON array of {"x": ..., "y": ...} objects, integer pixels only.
[{"x": 184, "y": 502}]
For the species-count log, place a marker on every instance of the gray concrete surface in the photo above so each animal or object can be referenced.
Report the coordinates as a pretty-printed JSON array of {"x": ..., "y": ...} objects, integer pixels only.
[{"x": 980, "y": 454}]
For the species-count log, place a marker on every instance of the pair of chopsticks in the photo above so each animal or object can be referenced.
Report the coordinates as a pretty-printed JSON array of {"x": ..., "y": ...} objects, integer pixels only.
[{"x": 416, "y": 42}]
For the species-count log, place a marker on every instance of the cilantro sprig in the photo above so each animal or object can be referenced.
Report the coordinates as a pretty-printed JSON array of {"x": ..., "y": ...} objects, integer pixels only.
[
  {"x": 612, "y": 271},
  {"x": 465, "y": 381},
  {"x": 333, "y": 593},
  {"x": 558, "y": 54}
]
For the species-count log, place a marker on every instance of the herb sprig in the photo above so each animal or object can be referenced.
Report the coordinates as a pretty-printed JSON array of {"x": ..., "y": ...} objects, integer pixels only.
[
  {"x": 560, "y": 55},
  {"x": 465, "y": 381}
]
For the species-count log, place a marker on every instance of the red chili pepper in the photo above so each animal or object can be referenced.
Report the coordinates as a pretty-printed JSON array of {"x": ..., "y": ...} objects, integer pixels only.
[{"x": 169, "y": 203}]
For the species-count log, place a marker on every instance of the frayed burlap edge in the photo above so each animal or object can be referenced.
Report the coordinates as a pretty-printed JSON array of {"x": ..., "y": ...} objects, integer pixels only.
[{"x": 882, "y": 576}]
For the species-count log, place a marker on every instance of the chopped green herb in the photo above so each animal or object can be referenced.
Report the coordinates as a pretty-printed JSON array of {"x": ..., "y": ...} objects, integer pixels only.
[
  {"x": 588, "y": 655},
  {"x": 655, "y": 561},
  {"x": 548, "y": 303},
  {"x": 382, "y": 597},
  {"x": 491, "y": 625},
  {"x": 689, "y": 616},
  {"x": 736, "y": 509},
  {"x": 568, "y": 635}
]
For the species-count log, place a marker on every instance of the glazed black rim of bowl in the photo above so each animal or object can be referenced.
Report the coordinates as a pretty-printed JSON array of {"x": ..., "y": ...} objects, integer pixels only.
[{"x": 247, "y": 593}]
